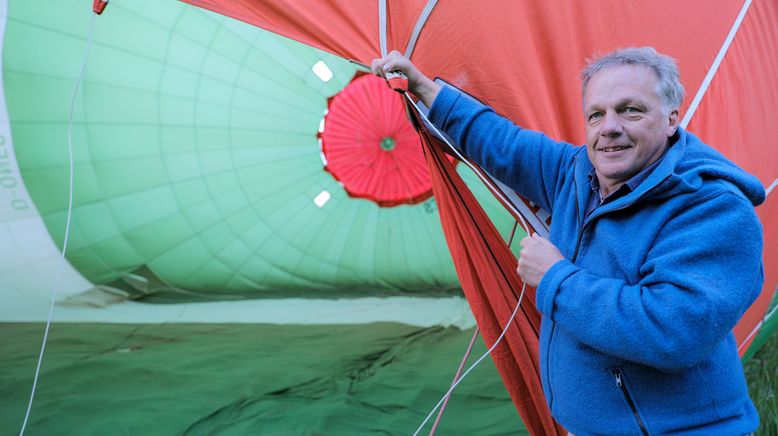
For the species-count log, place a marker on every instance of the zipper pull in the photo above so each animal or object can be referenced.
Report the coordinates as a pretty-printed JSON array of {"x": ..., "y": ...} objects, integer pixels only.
[{"x": 617, "y": 375}]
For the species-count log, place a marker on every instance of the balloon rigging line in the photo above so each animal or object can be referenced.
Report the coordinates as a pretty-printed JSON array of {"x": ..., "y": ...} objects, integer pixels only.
[
  {"x": 523, "y": 286},
  {"x": 466, "y": 356},
  {"x": 382, "y": 26},
  {"x": 456, "y": 377},
  {"x": 58, "y": 275},
  {"x": 420, "y": 22},
  {"x": 477, "y": 362}
]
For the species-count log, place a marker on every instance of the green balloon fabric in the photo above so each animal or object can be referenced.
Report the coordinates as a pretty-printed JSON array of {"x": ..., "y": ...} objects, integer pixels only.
[
  {"x": 198, "y": 176},
  {"x": 196, "y": 160}
]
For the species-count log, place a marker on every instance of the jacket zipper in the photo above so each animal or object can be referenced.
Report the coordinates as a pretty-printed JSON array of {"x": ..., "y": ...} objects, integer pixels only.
[
  {"x": 615, "y": 372},
  {"x": 620, "y": 383}
]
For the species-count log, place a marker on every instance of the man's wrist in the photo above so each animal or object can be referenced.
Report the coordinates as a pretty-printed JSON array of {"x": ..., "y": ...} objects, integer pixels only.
[{"x": 427, "y": 90}]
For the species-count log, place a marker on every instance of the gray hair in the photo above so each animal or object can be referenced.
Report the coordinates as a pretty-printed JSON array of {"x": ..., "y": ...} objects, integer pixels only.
[{"x": 668, "y": 87}]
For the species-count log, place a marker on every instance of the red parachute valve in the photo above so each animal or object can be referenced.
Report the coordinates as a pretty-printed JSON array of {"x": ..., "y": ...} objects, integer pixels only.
[{"x": 98, "y": 6}]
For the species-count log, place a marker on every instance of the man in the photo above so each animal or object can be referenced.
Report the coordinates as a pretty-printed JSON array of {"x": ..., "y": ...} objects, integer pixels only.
[{"x": 653, "y": 256}]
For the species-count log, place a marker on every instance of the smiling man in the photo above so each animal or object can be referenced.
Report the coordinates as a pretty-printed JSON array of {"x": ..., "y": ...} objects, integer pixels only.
[
  {"x": 654, "y": 252},
  {"x": 627, "y": 126}
]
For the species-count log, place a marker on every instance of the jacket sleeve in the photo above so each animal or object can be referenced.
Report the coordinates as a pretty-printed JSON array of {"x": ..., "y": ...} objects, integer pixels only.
[
  {"x": 527, "y": 161},
  {"x": 697, "y": 280}
]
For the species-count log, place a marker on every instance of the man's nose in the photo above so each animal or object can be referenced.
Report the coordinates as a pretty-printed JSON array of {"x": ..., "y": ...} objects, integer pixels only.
[{"x": 611, "y": 125}]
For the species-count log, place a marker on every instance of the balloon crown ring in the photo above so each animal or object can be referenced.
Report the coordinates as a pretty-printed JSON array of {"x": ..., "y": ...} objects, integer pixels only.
[{"x": 387, "y": 143}]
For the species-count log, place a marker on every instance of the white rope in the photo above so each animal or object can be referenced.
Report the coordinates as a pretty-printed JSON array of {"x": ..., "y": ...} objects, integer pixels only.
[
  {"x": 715, "y": 67},
  {"x": 61, "y": 263},
  {"x": 518, "y": 303},
  {"x": 476, "y": 363}
]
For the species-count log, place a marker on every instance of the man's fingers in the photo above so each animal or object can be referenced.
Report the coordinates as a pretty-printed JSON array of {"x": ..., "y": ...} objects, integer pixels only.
[
  {"x": 531, "y": 238},
  {"x": 381, "y": 66},
  {"x": 375, "y": 67}
]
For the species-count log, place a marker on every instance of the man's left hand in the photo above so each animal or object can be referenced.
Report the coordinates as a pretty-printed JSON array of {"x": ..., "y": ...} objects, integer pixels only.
[{"x": 538, "y": 254}]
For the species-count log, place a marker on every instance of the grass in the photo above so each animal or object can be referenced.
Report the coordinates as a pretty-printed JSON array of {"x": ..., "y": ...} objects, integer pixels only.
[{"x": 762, "y": 375}]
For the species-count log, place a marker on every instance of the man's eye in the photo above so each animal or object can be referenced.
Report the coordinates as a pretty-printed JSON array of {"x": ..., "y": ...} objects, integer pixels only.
[
  {"x": 595, "y": 116},
  {"x": 631, "y": 109}
]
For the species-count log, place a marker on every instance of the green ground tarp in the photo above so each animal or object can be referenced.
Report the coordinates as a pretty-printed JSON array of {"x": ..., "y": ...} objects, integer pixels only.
[{"x": 189, "y": 379}]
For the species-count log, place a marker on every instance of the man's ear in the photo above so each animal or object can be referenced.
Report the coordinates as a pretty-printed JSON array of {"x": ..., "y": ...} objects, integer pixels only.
[{"x": 673, "y": 121}]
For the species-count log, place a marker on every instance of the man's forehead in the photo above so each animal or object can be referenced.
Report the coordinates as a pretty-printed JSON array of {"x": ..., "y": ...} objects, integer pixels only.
[{"x": 622, "y": 83}]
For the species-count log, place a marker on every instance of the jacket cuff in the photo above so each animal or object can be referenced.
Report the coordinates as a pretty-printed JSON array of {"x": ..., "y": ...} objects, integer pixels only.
[
  {"x": 443, "y": 105},
  {"x": 550, "y": 284}
]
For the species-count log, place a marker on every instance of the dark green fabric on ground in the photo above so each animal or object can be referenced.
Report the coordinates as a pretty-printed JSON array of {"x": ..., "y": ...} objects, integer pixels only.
[{"x": 246, "y": 379}]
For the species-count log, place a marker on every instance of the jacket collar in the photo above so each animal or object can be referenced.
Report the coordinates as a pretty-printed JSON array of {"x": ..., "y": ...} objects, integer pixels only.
[{"x": 664, "y": 171}]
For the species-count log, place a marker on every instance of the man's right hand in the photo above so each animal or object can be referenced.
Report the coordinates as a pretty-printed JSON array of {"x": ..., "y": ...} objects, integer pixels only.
[{"x": 419, "y": 84}]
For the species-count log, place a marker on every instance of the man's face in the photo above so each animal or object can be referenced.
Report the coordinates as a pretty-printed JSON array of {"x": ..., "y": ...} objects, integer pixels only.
[{"x": 626, "y": 128}]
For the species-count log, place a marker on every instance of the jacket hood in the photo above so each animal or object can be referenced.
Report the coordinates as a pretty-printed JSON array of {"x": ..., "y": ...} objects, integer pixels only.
[{"x": 691, "y": 162}]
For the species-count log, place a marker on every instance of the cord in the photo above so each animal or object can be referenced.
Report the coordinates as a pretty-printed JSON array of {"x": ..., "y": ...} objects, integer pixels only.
[
  {"x": 524, "y": 226},
  {"x": 476, "y": 363},
  {"x": 62, "y": 260}
]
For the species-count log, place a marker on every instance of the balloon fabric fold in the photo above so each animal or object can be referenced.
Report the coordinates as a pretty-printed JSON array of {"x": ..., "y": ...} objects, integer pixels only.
[
  {"x": 486, "y": 269},
  {"x": 522, "y": 58}
]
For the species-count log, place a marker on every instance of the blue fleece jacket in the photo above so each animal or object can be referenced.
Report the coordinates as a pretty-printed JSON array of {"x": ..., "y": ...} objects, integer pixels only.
[{"x": 636, "y": 332}]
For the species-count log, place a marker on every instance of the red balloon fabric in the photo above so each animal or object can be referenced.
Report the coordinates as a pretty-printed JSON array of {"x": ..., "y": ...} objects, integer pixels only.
[
  {"x": 370, "y": 146},
  {"x": 487, "y": 270},
  {"x": 522, "y": 58}
]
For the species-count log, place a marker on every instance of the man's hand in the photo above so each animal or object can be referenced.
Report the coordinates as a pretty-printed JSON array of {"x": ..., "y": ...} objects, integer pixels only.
[
  {"x": 537, "y": 256},
  {"x": 419, "y": 84}
]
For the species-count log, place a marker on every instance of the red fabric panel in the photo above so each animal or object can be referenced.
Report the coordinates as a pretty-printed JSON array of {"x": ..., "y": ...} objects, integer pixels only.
[
  {"x": 737, "y": 117},
  {"x": 487, "y": 270},
  {"x": 505, "y": 52}
]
